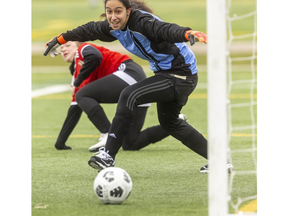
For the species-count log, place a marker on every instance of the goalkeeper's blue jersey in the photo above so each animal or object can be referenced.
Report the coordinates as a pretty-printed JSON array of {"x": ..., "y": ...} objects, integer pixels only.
[{"x": 148, "y": 37}]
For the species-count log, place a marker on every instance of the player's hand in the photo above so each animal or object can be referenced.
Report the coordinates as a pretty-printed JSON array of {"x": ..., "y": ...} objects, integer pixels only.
[
  {"x": 53, "y": 44},
  {"x": 73, "y": 89},
  {"x": 196, "y": 36}
]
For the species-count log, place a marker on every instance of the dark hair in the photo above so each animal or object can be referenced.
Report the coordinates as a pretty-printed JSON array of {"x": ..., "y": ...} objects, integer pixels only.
[{"x": 134, "y": 4}]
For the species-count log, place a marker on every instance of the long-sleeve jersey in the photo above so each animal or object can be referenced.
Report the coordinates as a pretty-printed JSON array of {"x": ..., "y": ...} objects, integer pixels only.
[
  {"x": 92, "y": 62},
  {"x": 148, "y": 37}
]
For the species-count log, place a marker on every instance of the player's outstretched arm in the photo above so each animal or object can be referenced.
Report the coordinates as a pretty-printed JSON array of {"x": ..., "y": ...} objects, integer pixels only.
[
  {"x": 53, "y": 44},
  {"x": 196, "y": 36}
]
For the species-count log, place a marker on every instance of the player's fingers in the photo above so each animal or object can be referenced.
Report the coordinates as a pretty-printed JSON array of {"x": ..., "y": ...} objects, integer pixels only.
[
  {"x": 201, "y": 36},
  {"x": 46, "y": 51}
]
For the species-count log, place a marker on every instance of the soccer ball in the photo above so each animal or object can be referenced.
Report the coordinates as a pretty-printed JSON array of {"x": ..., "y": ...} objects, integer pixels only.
[{"x": 112, "y": 185}]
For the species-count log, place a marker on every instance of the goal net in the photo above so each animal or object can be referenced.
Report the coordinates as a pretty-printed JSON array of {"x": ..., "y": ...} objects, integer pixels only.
[{"x": 232, "y": 106}]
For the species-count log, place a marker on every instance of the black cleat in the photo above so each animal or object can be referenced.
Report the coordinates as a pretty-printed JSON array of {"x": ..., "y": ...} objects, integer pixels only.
[{"x": 101, "y": 160}]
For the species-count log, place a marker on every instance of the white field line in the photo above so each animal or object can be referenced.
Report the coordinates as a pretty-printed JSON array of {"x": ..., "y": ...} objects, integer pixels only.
[
  {"x": 64, "y": 87},
  {"x": 50, "y": 90}
]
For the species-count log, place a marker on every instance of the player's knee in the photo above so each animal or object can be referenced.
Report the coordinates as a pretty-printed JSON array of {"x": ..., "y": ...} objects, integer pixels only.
[
  {"x": 128, "y": 99},
  {"x": 125, "y": 94}
]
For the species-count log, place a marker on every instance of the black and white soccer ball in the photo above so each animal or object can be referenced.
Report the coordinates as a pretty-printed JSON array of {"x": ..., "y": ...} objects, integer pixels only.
[{"x": 112, "y": 185}]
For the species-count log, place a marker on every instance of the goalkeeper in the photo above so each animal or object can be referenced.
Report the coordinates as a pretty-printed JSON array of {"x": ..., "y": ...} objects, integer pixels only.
[{"x": 174, "y": 64}]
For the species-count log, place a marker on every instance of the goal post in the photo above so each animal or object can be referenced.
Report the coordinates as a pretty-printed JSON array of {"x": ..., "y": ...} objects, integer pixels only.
[{"x": 217, "y": 107}]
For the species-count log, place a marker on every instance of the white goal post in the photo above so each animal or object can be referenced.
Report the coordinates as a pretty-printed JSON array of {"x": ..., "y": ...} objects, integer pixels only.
[{"x": 217, "y": 107}]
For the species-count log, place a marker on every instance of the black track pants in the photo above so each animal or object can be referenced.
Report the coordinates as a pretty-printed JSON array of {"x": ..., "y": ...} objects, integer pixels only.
[{"x": 171, "y": 94}]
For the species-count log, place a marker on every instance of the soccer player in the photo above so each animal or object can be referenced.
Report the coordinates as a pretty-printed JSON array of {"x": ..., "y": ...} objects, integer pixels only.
[
  {"x": 163, "y": 45},
  {"x": 98, "y": 76}
]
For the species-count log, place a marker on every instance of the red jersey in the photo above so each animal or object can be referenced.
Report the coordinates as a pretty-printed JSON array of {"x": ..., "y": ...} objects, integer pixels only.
[{"x": 109, "y": 64}]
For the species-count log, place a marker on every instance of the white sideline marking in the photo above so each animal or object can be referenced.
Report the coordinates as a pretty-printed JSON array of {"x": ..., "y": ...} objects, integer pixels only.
[
  {"x": 38, "y": 206},
  {"x": 50, "y": 90}
]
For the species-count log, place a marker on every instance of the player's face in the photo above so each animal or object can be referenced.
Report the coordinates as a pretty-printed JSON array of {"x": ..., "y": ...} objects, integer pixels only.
[
  {"x": 68, "y": 51},
  {"x": 117, "y": 14}
]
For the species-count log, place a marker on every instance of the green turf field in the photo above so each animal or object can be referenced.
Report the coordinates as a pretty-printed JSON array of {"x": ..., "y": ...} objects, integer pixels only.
[{"x": 165, "y": 175}]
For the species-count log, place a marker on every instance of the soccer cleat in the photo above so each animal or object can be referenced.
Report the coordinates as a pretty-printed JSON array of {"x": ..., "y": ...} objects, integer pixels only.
[
  {"x": 101, "y": 160},
  {"x": 63, "y": 147},
  {"x": 205, "y": 169},
  {"x": 184, "y": 117},
  {"x": 230, "y": 167},
  {"x": 102, "y": 142}
]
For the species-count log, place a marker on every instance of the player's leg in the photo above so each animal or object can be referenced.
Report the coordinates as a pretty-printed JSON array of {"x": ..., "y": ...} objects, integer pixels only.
[
  {"x": 137, "y": 139},
  {"x": 168, "y": 112},
  {"x": 72, "y": 118},
  {"x": 179, "y": 128}
]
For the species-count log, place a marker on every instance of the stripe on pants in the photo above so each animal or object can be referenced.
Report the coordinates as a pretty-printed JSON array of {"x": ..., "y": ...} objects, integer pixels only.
[{"x": 153, "y": 87}]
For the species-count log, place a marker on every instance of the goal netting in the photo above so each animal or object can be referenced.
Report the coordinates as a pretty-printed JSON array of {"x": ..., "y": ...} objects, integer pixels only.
[
  {"x": 242, "y": 110},
  {"x": 232, "y": 106}
]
